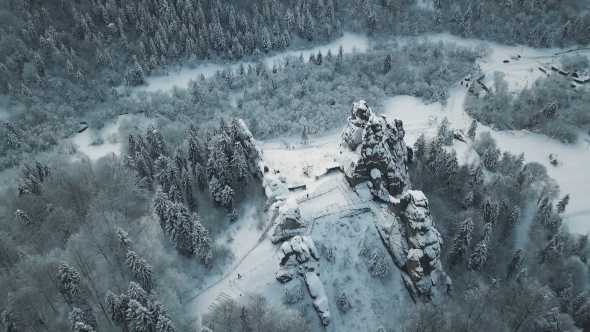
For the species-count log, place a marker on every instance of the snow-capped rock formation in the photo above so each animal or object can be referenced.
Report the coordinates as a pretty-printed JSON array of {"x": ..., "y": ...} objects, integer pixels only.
[
  {"x": 374, "y": 150},
  {"x": 299, "y": 258},
  {"x": 289, "y": 222},
  {"x": 425, "y": 274}
]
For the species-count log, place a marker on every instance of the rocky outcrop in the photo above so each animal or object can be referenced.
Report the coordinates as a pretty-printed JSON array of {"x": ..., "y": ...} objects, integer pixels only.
[
  {"x": 288, "y": 222},
  {"x": 299, "y": 258},
  {"x": 373, "y": 150},
  {"x": 425, "y": 274}
]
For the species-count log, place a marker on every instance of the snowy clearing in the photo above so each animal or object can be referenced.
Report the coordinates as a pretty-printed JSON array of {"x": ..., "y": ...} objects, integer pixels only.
[{"x": 349, "y": 41}]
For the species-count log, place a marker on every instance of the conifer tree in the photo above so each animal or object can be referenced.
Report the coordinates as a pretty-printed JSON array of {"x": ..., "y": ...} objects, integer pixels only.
[
  {"x": 387, "y": 66},
  {"x": 304, "y": 129},
  {"x": 140, "y": 319},
  {"x": 472, "y": 130},
  {"x": 563, "y": 202},
  {"x": 462, "y": 241},
  {"x": 510, "y": 223},
  {"x": 515, "y": 262}
]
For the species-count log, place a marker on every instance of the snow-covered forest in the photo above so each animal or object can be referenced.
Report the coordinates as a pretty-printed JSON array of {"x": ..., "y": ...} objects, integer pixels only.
[{"x": 294, "y": 165}]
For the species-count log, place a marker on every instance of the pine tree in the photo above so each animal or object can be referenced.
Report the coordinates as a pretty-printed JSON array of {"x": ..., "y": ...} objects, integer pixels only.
[
  {"x": 479, "y": 255},
  {"x": 141, "y": 270},
  {"x": 265, "y": 40},
  {"x": 139, "y": 317},
  {"x": 515, "y": 262},
  {"x": 304, "y": 128},
  {"x": 381, "y": 329},
  {"x": 309, "y": 28},
  {"x": 201, "y": 242},
  {"x": 549, "y": 110},
  {"x": 164, "y": 324},
  {"x": 468, "y": 200},
  {"x": 510, "y": 223},
  {"x": 472, "y": 130},
  {"x": 544, "y": 212},
  {"x": 552, "y": 249},
  {"x": 387, "y": 66},
  {"x": 196, "y": 92},
  {"x": 521, "y": 276},
  {"x": 135, "y": 292},
  {"x": 378, "y": 265},
  {"x": 563, "y": 202},
  {"x": 462, "y": 241},
  {"x": 343, "y": 303},
  {"x": 420, "y": 148}
]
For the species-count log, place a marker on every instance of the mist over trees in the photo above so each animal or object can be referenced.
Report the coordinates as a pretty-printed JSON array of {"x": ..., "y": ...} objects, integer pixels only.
[{"x": 120, "y": 242}]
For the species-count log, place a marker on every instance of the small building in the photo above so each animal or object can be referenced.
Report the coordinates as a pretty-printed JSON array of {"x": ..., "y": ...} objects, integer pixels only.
[{"x": 582, "y": 79}]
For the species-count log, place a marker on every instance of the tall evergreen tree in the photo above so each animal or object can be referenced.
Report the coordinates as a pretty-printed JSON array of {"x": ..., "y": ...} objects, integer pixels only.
[
  {"x": 387, "y": 65},
  {"x": 462, "y": 241},
  {"x": 563, "y": 202},
  {"x": 515, "y": 263}
]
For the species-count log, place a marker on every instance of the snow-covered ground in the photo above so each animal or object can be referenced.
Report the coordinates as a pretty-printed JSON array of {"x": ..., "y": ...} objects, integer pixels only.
[
  {"x": 349, "y": 41},
  {"x": 108, "y": 134}
]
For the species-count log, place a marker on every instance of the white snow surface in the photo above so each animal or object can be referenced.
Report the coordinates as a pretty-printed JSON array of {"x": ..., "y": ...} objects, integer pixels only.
[
  {"x": 349, "y": 41},
  {"x": 83, "y": 140}
]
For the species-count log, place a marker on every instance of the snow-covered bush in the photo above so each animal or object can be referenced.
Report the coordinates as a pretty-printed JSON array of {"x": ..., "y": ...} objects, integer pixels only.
[
  {"x": 381, "y": 329},
  {"x": 342, "y": 302},
  {"x": 293, "y": 292},
  {"x": 378, "y": 265}
]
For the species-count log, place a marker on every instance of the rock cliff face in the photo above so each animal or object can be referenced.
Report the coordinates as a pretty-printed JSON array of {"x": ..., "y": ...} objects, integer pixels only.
[{"x": 373, "y": 152}]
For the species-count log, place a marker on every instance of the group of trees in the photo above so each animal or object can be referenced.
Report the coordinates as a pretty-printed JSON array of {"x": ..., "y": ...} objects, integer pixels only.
[
  {"x": 73, "y": 235},
  {"x": 520, "y": 278},
  {"x": 549, "y": 106}
]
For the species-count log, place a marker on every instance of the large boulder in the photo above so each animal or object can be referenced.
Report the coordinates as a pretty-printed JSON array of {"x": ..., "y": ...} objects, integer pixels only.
[
  {"x": 373, "y": 150},
  {"x": 297, "y": 257}
]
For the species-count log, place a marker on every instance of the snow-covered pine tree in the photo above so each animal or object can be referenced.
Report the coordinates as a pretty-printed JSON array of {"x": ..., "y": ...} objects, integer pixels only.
[
  {"x": 515, "y": 262},
  {"x": 420, "y": 148},
  {"x": 544, "y": 212},
  {"x": 343, "y": 304},
  {"x": 265, "y": 41},
  {"x": 115, "y": 308},
  {"x": 387, "y": 65},
  {"x": 139, "y": 317},
  {"x": 309, "y": 28},
  {"x": 135, "y": 292},
  {"x": 196, "y": 92},
  {"x": 362, "y": 247},
  {"x": 550, "y": 109},
  {"x": 141, "y": 270},
  {"x": 552, "y": 249},
  {"x": 239, "y": 164},
  {"x": 378, "y": 266},
  {"x": 227, "y": 197},
  {"x": 521, "y": 276},
  {"x": 510, "y": 223},
  {"x": 467, "y": 201},
  {"x": 78, "y": 324},
  {"x": 381, "y": 329},
  {"x": 304, "y": 126},
  {"x": 563, "y": 202},
  {"x": 472, "y": 130},
  {"x": 164, "y": 324},
  {"x": 201, "y": 242},
  {"x": 479, "y": 255},
  {"x": 462, "y": 241}
]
